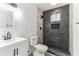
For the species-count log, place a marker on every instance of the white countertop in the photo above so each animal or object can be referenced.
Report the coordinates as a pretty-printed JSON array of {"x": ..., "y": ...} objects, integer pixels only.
[{"x": 11, "y": 41}]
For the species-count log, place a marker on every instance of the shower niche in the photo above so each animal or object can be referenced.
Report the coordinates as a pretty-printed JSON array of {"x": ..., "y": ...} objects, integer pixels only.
[{"x": 55, "y": 26}]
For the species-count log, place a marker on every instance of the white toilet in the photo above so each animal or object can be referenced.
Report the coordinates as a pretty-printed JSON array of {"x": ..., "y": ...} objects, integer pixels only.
[{"x": 39, "y": 49}]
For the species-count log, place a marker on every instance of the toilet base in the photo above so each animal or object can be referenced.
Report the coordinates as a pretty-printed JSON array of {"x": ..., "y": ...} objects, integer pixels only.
[
  {"x": 37, "y": 53},
  {"x": 40, "y": 50}
]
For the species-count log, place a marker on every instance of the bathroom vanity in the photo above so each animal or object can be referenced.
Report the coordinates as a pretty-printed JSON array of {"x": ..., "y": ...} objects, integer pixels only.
[
  {"x": 9, "y": 44},
  {"x": 13, "y": 47}
]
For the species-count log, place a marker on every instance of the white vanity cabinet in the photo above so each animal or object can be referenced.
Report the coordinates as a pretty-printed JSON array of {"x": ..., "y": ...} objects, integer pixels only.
[
  {"x": 6, "y": 51},
  {"x": 20, "y": 49},
  {"x": 6, "y": 18},
  {"x": 17, "y": 48}
]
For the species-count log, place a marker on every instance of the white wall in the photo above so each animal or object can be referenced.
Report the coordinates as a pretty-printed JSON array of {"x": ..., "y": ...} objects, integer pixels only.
[
  {"x": 71, "y": 28},
  {"x": 26, "y": 26},
  {"x": 74, "y": 29}
]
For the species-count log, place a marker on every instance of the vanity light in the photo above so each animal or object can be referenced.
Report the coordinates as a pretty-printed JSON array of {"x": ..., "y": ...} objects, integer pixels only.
[
  {"x": 12, "y": 4},
  {"x": 5, "y": 6}
]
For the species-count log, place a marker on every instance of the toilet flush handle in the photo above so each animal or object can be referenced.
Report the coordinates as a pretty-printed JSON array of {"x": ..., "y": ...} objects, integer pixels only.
[{"x": 77, "y": 23}]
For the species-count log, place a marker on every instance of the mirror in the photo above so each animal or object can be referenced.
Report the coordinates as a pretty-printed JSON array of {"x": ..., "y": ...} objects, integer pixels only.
[{"x": 6, "y": 18}]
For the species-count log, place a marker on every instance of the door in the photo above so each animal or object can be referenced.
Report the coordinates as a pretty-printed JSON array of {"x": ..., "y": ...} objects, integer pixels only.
[{"x": 56, "y": 33}]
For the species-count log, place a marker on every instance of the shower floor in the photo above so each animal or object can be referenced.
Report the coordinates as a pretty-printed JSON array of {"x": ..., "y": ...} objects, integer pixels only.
[
  {"x": 46, "y": 54},
  {"x": 58, "y": 52},
  {"x": 55, "y": 52}
]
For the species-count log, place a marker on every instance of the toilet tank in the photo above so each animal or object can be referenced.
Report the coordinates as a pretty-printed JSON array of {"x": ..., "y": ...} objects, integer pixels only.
[{"x": 33, "y": 40}]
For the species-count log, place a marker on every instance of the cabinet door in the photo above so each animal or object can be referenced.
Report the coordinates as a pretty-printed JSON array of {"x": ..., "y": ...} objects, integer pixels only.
[
  {"x": 6, "y": 51},
  {"x": 21, "y": 46},
  {"x": 6, "y": 18}
]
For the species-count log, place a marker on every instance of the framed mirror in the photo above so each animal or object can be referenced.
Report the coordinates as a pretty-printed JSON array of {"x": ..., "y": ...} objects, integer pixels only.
[{"x": 6, "y": 18}]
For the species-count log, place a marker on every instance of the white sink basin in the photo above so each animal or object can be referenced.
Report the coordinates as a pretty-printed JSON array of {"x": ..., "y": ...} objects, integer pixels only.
[{"x": 11, "y": 41}]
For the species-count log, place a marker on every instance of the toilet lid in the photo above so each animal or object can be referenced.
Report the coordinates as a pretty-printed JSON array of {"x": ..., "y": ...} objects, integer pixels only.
[{"x": 41, "y": 47}]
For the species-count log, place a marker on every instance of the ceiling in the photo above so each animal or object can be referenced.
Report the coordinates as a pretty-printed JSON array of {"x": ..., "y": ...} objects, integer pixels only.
[{"x": 48, "y": 6}]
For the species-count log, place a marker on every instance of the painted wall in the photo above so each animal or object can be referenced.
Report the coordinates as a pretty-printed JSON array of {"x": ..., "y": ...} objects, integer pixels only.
[
  {"x": 75, "y": 19},
  {"x": 74, "y": 29},
  {"x": 26, "y": 26},
  {"x": 71, "y": 28}
]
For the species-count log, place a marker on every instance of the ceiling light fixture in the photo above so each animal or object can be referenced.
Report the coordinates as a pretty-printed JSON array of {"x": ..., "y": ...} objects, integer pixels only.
[{"x": 53, "y": 3}]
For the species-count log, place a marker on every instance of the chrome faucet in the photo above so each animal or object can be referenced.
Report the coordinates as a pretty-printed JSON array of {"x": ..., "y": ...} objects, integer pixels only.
[{"x": 8, "y": 36}]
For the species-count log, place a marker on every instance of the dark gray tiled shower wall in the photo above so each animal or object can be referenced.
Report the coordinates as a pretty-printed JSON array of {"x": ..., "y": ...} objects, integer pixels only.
[{"x": 58, "y": 38}]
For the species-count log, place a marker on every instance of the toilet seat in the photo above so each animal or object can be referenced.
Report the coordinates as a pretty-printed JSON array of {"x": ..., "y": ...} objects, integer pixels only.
[
  {"x": 41, "y": 48},
  {"x": 38, "y": 49}
]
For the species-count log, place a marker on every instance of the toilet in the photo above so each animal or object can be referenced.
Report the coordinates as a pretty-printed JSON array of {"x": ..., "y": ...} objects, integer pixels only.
[{"x": 39, "y": 49}]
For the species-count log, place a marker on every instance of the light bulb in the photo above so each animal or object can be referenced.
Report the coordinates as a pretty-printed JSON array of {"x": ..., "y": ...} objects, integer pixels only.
[{"x": 53, "y": 3}]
